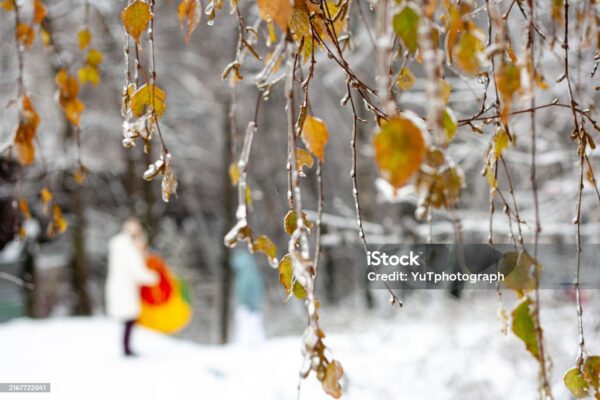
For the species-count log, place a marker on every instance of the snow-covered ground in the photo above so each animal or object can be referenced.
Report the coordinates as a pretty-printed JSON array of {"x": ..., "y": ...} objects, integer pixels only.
[{"x": 431, "y": 349}]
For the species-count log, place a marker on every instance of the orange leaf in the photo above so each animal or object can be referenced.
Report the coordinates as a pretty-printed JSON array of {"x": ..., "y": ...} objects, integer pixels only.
[
  {"x": 39, "y": 11},
  {"x": 24, "y": 207},
  {"x": 192, "y": 11},
  {"x": 25, "y": 34},
  {"x": 46, "y": 199},
  {"x": 399, "y": 148},
  {"x": 279, "y": 11},
  {"x": 68, "y": 88},
  {"x": 315, "y": 136},
  {"x": 25, "y": 134}
]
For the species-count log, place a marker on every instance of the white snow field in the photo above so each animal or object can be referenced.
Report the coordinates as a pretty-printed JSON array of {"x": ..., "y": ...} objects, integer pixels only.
[{"x": 429, "y": 350}]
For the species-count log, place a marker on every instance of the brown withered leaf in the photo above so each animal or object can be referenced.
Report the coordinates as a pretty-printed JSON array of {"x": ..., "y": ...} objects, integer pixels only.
[
  {"x": 315, "y": 135},
  {"x": 135, "y": 18},
  {"x": 189, "y": 12},
  {"x": 331, "y": 382}
]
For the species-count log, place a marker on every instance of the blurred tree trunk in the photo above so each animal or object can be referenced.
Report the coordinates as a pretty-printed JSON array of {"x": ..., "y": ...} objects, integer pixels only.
[
  {"x": 225, "y": 308},
  {"x": 83, "y": 305}
]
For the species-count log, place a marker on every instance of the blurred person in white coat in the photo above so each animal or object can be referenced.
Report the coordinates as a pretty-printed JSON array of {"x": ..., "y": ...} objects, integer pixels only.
[{"x": 127, "y": 272}]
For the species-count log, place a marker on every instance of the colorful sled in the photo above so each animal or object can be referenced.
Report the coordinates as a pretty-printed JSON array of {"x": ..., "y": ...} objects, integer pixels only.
[{"x": 166, "y": 306}]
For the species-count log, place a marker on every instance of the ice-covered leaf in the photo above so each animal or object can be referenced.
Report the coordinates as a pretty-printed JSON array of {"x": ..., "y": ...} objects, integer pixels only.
[
  {"x": 135, "y": 18},
  {"x": 148, "y": 98},
  {"x": 290, "y": 222},
  {"x": 169, "y": 180},
  {"x": 286, "y": 278},
  {"x": 266, "y": 246}
]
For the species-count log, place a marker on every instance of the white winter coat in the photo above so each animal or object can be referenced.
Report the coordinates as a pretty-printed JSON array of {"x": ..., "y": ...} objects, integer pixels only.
[{"x": 127, "y": 271}]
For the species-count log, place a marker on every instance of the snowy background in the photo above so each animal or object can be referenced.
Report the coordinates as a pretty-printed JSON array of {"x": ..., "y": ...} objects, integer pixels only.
[{"x": 434, "y": 348}]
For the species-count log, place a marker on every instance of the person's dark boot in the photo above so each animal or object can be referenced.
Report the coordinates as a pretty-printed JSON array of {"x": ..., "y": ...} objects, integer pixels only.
[{"x": 127, "y": 338}]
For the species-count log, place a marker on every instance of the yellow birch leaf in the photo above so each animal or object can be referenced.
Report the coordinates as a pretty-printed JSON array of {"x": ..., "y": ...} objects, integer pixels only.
[
  {"x": 279, "y": 11},
  {"x": 406, "y": 79},
  {"x": 84, "y": 37},
  {"x": 467, "y": 51},
  {"x": 88, "y": 73},
  {"x": 8, "y": 5},
  {"x": 399, "y": 148},
  {"x": 46, "y": 199},
  {"x": 234, "y": 173},
  {"x": 315, "y": 135},
  {"x": 94, "y": 57},
  {"x": 135, "y": 18},
  {"x": 148, "y": 97},
  {"x": 303, "y": 159}
]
